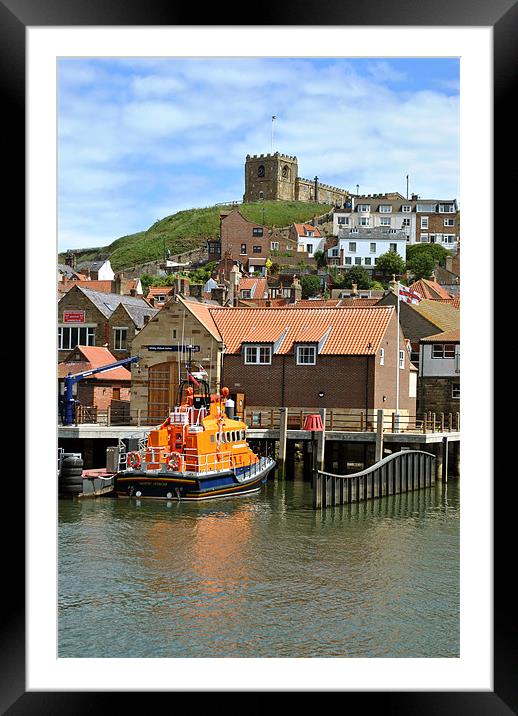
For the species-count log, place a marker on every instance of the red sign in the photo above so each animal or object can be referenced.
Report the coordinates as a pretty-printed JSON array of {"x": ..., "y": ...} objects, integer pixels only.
[{"x": 73, "y": 316}]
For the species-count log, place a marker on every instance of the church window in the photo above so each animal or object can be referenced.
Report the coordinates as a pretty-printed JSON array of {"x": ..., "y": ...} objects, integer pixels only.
[
  {"x": 285, "y": 172},
  {"x": 260, "y": 170}
]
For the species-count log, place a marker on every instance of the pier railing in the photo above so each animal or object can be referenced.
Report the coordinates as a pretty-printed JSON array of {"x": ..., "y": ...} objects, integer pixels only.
[
  {"x": 336, "y": 419},
  {"x": 400, "y": 472}
]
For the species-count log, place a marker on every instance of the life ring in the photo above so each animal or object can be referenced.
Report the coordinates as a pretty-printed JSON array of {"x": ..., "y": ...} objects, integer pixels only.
[
  {"x": 133, "y": 461},
  {"x": 175, "y": 461}
]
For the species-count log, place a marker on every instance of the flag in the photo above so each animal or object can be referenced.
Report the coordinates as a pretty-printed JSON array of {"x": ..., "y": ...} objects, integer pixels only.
[{"x": 409, "y": 296}]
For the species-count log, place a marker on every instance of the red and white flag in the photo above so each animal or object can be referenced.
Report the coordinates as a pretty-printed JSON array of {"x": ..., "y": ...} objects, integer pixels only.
[{"x": 408, "y": 296}]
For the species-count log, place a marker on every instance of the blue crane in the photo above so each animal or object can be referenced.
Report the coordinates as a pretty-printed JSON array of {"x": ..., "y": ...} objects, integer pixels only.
[{"x": 72, "y": 379}]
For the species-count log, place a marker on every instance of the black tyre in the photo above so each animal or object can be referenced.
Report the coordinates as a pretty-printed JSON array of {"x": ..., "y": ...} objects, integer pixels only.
[
  {"x": 71, "y": 471},
  {"x": 69, "y": 461}
]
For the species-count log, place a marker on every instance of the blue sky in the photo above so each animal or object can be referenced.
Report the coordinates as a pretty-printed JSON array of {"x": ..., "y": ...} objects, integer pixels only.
[{"x": 139, "y": 139}]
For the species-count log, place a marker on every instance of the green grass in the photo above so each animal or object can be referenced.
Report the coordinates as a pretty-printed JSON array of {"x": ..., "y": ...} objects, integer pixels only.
[{"x": 189, "y": 229}]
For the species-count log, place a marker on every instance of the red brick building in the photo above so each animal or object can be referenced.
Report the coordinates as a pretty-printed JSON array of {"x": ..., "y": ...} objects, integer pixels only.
[
  {"x": 322, "y": 357},
  {"x": 100, "y": 389}
]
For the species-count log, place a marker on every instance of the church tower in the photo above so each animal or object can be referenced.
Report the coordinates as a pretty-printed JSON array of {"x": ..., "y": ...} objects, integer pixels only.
[{"x": 270, "y": 177}]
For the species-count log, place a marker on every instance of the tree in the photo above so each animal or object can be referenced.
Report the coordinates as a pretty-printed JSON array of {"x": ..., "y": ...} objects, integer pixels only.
[
  {"x": 310, "y": 285},
  {"x": 421, "y": 265},
  {"x": 320, "y": 258},
  {"x": 439, "y": 253},
  {"x": 391, "y": 262},
  {"x": 359, "y": 276}
]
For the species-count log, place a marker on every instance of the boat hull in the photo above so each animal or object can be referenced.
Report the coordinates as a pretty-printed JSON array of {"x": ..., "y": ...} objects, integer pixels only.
[{"x": 191, "y": 487}]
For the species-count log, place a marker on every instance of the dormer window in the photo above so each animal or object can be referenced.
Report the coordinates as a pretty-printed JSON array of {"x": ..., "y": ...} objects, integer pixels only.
[
  {"x": 306, "y": 355},
  {"x": 258, "y": 355}
]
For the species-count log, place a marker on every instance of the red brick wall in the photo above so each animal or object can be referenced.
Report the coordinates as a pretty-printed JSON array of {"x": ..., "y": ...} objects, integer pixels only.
[
  {"x": 235, "y": 230},
  {"x": 385, "y": 382},
  {"x": 347, "y": 382},
  {"x": 100, "y": 393}
]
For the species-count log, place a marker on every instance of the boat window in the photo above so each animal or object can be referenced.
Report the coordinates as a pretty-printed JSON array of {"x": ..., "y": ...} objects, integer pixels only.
[
  {"x": 234, "y": 437},
  {"x": 242, "y": 434},
  {"x": 228, "y": 437},
  {"x": 212, "y": 438}
]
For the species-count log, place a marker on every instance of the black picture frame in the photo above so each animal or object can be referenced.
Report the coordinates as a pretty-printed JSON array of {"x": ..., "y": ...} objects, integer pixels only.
[{"x": 15, "y": 17}]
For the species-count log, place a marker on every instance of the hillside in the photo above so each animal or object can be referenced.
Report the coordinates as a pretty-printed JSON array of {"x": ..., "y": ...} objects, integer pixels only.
[{"x": 189, "y": 229}]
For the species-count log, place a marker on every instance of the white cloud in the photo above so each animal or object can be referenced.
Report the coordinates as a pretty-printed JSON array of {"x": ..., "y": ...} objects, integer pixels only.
[{"x": 156, "y": 134}]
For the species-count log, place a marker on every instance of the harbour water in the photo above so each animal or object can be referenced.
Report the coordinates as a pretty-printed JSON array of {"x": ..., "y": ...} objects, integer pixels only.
[{"x": 260, "y": 576}]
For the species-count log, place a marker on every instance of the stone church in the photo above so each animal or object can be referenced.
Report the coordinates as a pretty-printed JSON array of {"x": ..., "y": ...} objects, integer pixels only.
[{"x": 275, "y": 176}]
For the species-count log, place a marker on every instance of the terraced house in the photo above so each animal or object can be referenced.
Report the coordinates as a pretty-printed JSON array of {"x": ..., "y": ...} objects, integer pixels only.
[{"x": 435, "y": 221}]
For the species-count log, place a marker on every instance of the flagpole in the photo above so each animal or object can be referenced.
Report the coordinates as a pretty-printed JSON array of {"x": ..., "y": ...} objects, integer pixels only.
[
  {"x": 273, "y": 118},
  {"x": 397, "y": 362}
]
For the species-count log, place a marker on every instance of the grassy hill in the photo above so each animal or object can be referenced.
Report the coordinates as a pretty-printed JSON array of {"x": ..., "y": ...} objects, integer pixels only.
[{"x": 189, "y": 229}]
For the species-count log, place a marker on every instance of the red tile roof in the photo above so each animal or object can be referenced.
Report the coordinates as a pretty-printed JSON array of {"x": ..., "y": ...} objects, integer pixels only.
[
  {"x": 257, "y": 286},
  {"x": 343, "y": 332},
  {"x": 94, "y": 357},
  {"x": 429, "y": 289},
  {"x": 445, "y": 337},
  {"x": 299, "y": 228}
]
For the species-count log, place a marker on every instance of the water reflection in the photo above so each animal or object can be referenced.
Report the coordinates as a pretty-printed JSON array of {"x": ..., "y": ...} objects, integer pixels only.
[{"x": 261, "y": 576}]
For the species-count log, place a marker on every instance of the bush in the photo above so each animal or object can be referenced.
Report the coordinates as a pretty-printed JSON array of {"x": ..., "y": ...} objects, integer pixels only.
[
  {"x": 421, "y": 265},
  {"x": 391, "y": 262},
  {"x": 310, "y": 285},
  {"x": 359, "y": 276}
]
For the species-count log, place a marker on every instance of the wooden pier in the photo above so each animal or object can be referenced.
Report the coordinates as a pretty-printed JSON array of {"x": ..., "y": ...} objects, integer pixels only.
[{"x": 402, "y": 471}]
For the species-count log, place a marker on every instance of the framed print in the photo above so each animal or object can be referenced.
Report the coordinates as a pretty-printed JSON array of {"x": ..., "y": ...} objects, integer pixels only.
[{"x": 37, "y": 42}]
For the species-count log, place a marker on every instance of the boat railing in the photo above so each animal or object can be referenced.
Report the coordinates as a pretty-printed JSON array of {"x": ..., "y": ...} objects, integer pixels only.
[{"x": 187, "y": 462}]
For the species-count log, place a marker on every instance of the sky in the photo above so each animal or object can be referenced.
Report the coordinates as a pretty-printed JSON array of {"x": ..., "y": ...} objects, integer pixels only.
[{"x": 139, "y": 139}]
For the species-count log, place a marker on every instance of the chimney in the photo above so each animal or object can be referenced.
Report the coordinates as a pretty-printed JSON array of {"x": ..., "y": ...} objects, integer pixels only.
[
  {"x": 133, "y": 292},
  {"x": 393, "y": 284},
  {"x": 354, "y": 289},
  {"x": 449, "y": 263},
  {"x": 295, "y": 290},
  {"x": 117, "y": 284},
  {"x": 195, "y": 290},
  {"x": 219, "y": 295},
  {"x": 316, "y": 190},
  {"x": 433, "y": 278}
]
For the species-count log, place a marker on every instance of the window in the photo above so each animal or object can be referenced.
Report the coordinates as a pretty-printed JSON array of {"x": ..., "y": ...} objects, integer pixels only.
[
  {"x": 382, "y": 356},
  {"x": 455, "y": 391},
  {"x": 334, "y": 252},
  {"x": 425, "y": 207},
  {"x": 348, "y": 260},
  {"x": 120, "y": 339},
  {"x": 257, "y": 231},
  {"x": 393, "y": 247},
  {"x": 71, "y": 336},
  {"x": 443, "y": 350},
  {"x": 174, "y": 332},
  {"x": 446, "y": 208},
  {"x": 364, "y": 207},
  {"x": 385, "y": 221},
  {"x": 424, "y": 238},
  {"x": 309, "y": 248},
  {"x": 261, "y": 355},
  {"x": 274, "y": 245},
  {"x": 449, "y": 222},
  {"x": 407, "y": 208},
  {"x": 257, "y": 249},
  {"x": 260, "y": 170},
  {"x": 352, "y": 246},
  {"x": 448, "y": 239},
  {"x": 306, "y": 355},
  {"x": 116, "y": 393},
  {"x": 243, "y": 249},
  {"x": 358, "y": 260},
  {"x": 343, "y": 219},
  {"x": 364, "y": 221},
  {"x": 373, "y": 248},
  {"x": 424, "y": 222},
  {"x": 405, "y": 222},
  {"x": 401, "y": 359},
  {"x": 246, "y": 293},
  {"x": 368, "y": 261},
  {"x": 385, "y": 209}
]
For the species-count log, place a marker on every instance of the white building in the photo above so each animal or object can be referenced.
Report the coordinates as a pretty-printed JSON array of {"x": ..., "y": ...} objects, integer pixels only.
[
  {"x": 422, "y": 220},
  {"x": 308, "y": 238},
  {"x": 363, "y": 247}
]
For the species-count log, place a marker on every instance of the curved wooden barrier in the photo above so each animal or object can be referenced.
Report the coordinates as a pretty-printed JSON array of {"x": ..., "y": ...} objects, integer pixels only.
[{"x": 400, "y": 472}]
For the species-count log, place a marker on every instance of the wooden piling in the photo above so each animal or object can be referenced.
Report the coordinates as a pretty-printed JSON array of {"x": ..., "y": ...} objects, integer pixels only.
[
  {"x": 283, "y": 434},
  {"x": 379, "y": 435}
]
